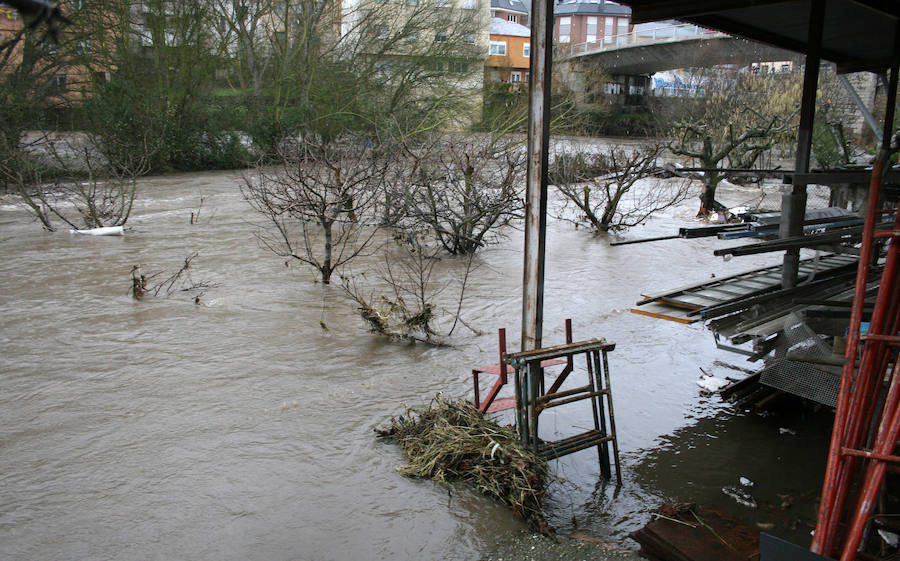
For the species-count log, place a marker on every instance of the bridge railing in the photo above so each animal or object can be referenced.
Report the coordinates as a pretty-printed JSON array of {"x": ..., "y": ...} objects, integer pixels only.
[{"x": 643, "y": 36}]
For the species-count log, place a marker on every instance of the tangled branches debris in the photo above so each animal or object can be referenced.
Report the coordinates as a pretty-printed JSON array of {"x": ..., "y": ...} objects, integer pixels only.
[
  {"x": 452, "y": 441},
  {"x": 180, "y": 281}
]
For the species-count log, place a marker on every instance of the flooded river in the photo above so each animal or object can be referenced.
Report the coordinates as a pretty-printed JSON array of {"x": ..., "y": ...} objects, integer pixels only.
[{"x": 241, "y": 428}]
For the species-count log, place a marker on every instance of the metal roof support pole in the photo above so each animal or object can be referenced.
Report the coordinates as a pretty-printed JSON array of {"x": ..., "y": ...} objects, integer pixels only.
[
  {"x": 793, "y": 205},
  {"x": 536, "y": 177}
]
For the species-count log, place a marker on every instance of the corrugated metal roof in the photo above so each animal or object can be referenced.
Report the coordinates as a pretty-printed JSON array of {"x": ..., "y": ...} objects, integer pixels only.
[
  {"x": 857, "y": 34},
  {"x": 502, "y": 27}
]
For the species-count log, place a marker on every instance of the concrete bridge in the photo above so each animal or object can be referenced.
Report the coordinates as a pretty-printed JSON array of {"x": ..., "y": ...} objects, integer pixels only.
[
  {"x": 648, "y": 50},
  {"x": 628, "y": 60}
]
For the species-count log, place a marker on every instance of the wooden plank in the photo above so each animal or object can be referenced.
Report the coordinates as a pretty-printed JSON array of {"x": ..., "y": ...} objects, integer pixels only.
[
  {"x": 705, "y": 533},
  {"x": 495, "y": 369},
  {"x": 655, "y": 310},
  {"x": 692, "y": 299}
]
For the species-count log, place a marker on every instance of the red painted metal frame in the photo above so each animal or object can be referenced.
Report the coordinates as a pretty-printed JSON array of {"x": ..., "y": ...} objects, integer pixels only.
[
  {"x": 856, "y": 459},
  {"x": 502, "y": 370}
]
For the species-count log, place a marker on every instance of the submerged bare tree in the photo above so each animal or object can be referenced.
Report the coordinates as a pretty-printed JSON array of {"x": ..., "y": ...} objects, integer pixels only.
[
  {"x": 602, "y": 186},
  {"x": 405, "y": 300},
  {"x": 317, "y": 203},
  {"x": 86, "y": 191},
  {"x": 733, "y": 126},
  {"x": 464, "y": 189}
]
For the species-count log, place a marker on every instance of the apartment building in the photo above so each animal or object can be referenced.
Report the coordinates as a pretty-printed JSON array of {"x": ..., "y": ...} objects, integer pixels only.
[
  {"x": 510, "y": 53},
  {"x": 55, "y": 69},
  {"x": 589, "y": 21},
  {"x": 513, "y": 11}
]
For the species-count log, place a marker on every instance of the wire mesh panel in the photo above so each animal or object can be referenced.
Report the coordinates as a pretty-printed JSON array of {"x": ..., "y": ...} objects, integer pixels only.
[{"x": 816, "y": 382}]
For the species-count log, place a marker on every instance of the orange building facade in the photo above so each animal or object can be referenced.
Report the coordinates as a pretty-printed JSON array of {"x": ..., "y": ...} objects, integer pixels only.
[{"x": 510, "y": 53}]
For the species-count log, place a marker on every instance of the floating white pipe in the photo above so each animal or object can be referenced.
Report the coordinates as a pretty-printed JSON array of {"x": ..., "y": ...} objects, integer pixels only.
[{"x": 105, "y": 231}]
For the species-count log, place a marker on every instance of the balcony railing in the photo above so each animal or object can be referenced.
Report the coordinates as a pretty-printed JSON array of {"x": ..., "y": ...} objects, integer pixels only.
[{"x": 645, "y": 36}]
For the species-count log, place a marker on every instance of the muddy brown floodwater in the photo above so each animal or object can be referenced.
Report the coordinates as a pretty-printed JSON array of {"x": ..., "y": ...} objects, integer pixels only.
[{"x": 239, "y": 428}]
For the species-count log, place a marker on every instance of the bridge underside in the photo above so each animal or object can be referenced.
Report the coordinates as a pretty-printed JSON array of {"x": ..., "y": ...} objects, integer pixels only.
[{"x": 684, "y": 53}]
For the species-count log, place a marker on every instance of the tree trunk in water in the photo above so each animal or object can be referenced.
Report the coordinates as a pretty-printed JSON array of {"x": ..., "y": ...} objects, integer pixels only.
[
  {"x": 707, "y": 198},
  {"x": 326, "y": 264}
]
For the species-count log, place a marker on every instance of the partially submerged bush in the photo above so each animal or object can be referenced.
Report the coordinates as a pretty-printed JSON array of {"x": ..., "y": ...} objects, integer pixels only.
[{"x": 452, "y": 441}]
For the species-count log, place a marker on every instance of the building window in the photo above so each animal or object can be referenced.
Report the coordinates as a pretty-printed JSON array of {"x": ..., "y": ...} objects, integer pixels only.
[
  {"x": 382, "y": 68},
  {"x": 527, "y": 77},
  {"x": 515, "y": 77},
  {"x": 459, "y": 66},
  {"x": 623, "y": 26},
  {"x": 440, "y": 36},
  {"x": 565, "y": 29},
  {"x": 469, "y": 4},
  {"x": 441, "y": 3},
  {"x": 512, "y": 17},
  {"x": 609, "y": 29},
  {"x": 58, "y": 84},
  {"x": 590, "y": 35},
  {"x": 495, "y": 75},
  {"x": 498, "y": 48},
  {"x": 526, "y": 50},
  {"x": 412, "y": 2},
  {"x": 468, "y": 39}
]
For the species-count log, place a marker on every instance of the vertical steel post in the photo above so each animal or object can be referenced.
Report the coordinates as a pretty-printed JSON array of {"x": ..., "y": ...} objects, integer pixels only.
[
  {"x": 536, "y": 178},
  {"x": 599, "y": 409},
  {"x": 793, "y": 205},
  {"x": 534, "y": 371},
  {"x": 612, "y": 418},
  {"x": 520, "y": 404}
]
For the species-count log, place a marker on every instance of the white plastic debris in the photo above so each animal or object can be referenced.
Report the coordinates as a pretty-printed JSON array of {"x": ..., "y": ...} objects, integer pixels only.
[
  {"x": 711, "y": 383},
  {"x": 783, "y": 430},
  {"x": 746, "y": 482},
  {"x": 889, "y": 538},
  {"x": 740, "y": 497},
  {"x": 105, "y": 231}
]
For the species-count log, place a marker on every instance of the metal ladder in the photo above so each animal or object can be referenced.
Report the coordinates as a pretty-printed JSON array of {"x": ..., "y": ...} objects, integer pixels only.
[
  {"x": 531, "y": 401},
  {"x": 867, "y": 420},
  {"x": 502, "y": 370}
]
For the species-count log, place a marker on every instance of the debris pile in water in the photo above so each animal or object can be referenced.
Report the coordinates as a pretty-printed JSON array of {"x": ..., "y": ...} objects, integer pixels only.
[{"x": 452, "y": 441}]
